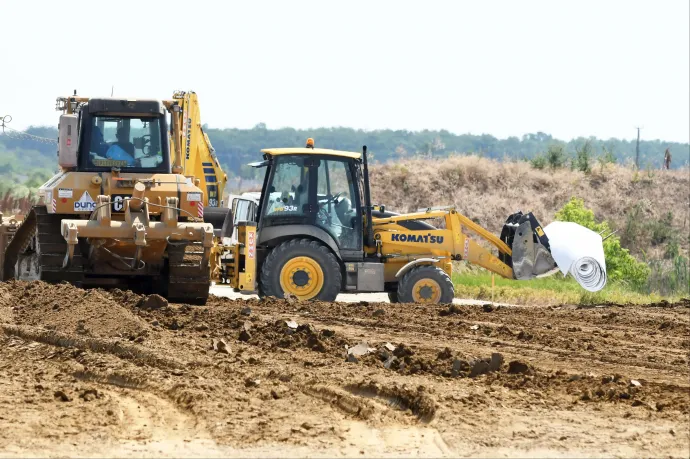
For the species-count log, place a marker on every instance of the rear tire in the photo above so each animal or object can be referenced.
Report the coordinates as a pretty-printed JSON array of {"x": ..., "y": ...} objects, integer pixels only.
[
  {"x": 302, "y": 267},
  {"x": 426, "y": 284},
  {"x": 393, "y": 297}
]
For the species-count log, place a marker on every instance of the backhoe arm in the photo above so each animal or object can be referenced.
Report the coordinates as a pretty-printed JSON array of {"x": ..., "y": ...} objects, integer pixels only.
[
  {"x": 450, "y": 242},
  {"x": 192, "y": 149},
  {"x": 470, "y": 250}
]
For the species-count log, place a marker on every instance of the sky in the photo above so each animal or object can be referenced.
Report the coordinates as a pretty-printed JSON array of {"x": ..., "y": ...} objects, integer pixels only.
[{"x": 505, "y": 68}]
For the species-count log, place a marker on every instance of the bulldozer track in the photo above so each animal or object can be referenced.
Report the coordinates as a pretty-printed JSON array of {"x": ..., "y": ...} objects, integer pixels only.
[
  {"x": 52, "y": 248},
  {"x": 38, "y": 250},
  {"x": 189, "y": 280},
  {"x": 19, "y": 243}
]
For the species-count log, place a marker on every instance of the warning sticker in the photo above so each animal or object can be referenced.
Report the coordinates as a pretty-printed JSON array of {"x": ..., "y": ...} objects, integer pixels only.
[
  {"x": 50, "y": 201},
  {"x": 251, "y": 244},
  {"x": 65, "y": 192},
  {"x": 85, "y": 203},
  {"x": 193, "y": 197}
]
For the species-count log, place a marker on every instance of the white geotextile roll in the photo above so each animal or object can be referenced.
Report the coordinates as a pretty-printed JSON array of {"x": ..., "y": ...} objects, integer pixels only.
[
  {"x": 579, "y": 251},
  {"x": 589, "y": 273}
]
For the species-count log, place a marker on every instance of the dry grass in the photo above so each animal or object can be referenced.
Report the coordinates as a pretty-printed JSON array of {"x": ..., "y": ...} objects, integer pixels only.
[
  {"x": 10, "y": 204},
  {"x": 489, "y": 191}
]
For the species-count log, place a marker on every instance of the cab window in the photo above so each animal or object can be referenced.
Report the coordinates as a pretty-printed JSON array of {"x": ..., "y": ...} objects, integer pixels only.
[
  {"x": 316, "y": 191},
  {"x": 288, "y": 193},
  {"x": 125, "y": 142}
]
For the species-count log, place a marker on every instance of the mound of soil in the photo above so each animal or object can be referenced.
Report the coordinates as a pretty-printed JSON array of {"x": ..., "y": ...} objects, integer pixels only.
[
  {"x": 69, "y": 309},
  {"x": 6, "y": 302}
]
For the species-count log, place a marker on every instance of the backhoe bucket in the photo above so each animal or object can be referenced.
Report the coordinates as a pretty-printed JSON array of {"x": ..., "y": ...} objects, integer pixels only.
[{"x": 531, "y": 253}]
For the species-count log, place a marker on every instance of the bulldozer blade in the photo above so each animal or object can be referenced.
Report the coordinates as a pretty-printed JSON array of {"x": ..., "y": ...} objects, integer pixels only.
[{"x": 530, "y": 258}]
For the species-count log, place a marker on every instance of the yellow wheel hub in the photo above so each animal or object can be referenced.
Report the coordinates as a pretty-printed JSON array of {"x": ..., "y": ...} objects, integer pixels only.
[
  {"x": 302, "y": 277},
  {"x": 426, "y": 291}
]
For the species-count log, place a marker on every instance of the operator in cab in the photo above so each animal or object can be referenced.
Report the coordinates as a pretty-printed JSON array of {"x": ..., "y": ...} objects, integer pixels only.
[{"x": 122, "y": 150}]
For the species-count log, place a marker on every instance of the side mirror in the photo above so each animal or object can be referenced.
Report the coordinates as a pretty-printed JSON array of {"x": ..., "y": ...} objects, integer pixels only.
[{"x": 68, "y": 140}]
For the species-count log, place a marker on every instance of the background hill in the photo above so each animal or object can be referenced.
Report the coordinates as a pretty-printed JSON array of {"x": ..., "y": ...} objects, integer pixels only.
[{"x": 645, "y": 207}]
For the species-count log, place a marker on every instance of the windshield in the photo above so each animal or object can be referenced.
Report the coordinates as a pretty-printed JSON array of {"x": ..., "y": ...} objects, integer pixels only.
[{"x": 124, "y": 142}]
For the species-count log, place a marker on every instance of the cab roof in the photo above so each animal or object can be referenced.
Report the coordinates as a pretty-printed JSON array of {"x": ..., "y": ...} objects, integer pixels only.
[{"x": 311, "y": 151}]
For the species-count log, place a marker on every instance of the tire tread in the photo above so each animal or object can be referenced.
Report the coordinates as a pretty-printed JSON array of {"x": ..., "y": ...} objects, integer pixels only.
[
  {"x": 269, "y": 286},
  {"x": 425, "y": 271}
]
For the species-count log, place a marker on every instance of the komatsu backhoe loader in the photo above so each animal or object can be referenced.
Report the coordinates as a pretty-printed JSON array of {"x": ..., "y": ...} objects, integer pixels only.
[
  {"x": 121, "y": 212},
  {"x": 315, "y": 233}
]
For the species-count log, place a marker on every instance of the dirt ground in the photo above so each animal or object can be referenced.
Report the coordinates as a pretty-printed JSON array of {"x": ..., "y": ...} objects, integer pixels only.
[{"x": 103, "y": 374}]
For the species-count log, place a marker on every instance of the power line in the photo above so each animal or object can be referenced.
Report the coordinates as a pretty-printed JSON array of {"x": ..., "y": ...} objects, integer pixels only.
[
  {"x": 15, "y": 134},
  {"x": 3, "y": 120}
]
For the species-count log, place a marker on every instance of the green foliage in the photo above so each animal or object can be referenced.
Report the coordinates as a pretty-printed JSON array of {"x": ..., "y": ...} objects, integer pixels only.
[
  {"x": 672, "y": 250},
  {"x": 605, "y": 158},
  {"x": 576, "y": 212},
  {"x": 620, "y": 265},
  {"x": 661, "y": 230},
  {"x": 538, "y": 162},
  {"x": 669, "y": 276},
  {"x": 556, "y": 156},
  {"x": 633, "y": 231},
  {"x": 583, "y": 157}
]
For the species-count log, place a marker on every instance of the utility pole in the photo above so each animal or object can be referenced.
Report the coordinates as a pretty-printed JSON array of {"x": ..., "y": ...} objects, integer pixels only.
[{"x": 637, "y": 150}]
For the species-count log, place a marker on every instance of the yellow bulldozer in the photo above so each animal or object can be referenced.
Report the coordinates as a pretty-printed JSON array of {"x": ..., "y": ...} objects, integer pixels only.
[
  {"x": 124, "y": 210},
  {"x": 313, "y": 233}
]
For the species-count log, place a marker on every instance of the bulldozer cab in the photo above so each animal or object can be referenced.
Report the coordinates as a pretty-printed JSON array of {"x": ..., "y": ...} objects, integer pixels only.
[
  {"x": 127, "y": 135},
  {"x": 315, "y": 192}
]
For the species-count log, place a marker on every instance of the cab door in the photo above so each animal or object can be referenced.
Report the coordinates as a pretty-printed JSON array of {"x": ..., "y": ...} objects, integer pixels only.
[{"x": 338, "y": 201}]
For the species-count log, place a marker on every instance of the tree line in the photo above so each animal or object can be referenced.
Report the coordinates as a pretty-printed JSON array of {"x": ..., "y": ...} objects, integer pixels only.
[{"x": 24, "y": 159}]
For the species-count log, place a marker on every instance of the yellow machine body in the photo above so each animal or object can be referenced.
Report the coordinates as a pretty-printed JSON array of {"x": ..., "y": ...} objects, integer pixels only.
[
  {"x": 192, "y": 149},
  {"x": 403, "y": 255},
  {"x": 119, "y": 213}
]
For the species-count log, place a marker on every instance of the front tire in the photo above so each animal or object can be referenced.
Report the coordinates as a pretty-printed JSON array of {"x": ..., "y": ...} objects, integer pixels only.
[
  {"x": 303, "y": 268},
  {"x": 426, "y": 284}
]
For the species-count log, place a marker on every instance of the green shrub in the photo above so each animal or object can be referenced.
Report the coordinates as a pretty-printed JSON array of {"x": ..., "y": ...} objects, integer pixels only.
[
  {"x": 583, "y": 157},
  {"x": 662, "y": 230},
  {"x": 669, "y": 276},
  {"x": 555, "y": 156},
  {"x": 633, "y": 232},
  {"x": 672, "y": 250},
  {"x": 620, "y": 265},
  {"x": 606, "y": 157},
  {"x": 538, "y": 162}
]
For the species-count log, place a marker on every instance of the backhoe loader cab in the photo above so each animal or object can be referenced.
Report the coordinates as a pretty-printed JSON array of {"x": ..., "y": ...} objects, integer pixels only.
[
  {"x": 315, "y": 192},
  {"x": 315, "y": 234}
]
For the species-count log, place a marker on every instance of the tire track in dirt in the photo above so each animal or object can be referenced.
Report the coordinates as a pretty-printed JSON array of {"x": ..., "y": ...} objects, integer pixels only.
[
  {"x": 554, "y": 344},
  {"x": 284, "y": 388}
]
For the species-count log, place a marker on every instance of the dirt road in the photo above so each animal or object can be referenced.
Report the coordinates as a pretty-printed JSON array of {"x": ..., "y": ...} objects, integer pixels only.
[
  {"x": 227, "y": 292},
  {"x": 90, "y": 373}
]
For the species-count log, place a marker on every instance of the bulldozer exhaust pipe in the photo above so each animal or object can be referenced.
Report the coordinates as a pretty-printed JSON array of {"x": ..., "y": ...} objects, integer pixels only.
[{"x": 367, "y": 199}]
